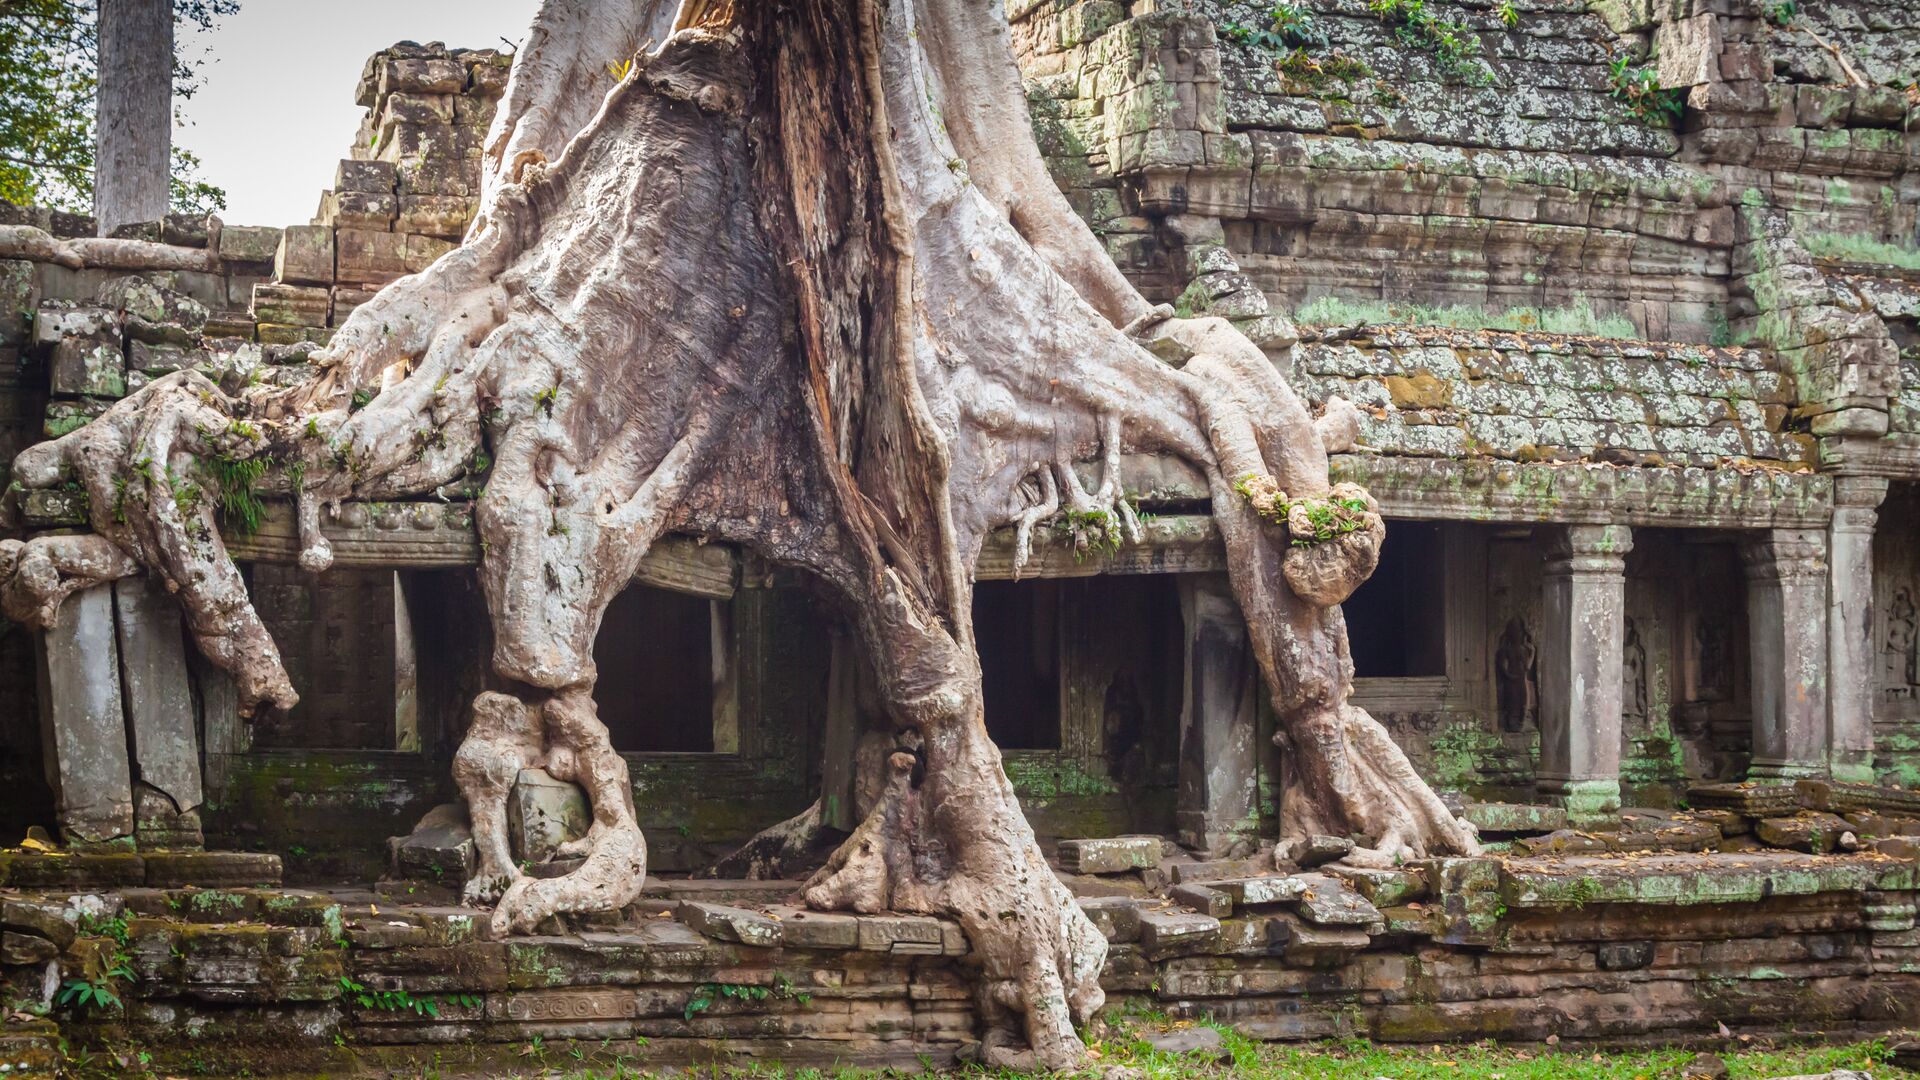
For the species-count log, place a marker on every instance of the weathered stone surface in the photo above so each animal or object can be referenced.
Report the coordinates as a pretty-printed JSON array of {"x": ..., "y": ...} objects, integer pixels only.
[
  {"x": 1205, "y": 900},
  {"x": 1809, "y": 831},
  {"x": 440, "y": 848},
  {"x": 82, "y": 725},
  {"x": 1117, "y": 917},
  {"x": 543, "y": 813},
  {"x": 304, "y": 256},
  {"x": 158, "y": 693},
  {"x": 725, "y": 923},
  {"x": 1315, "y": 850},
  {"x": 1328, "y": 902},
  {"x": 18, "y": 949},
  {"x": 1258, "y": 891},
  {"x": 248, "y": 244},
  {"x": 818, "y": 929},
  {"x": 1219, "y": 869},
  {"x": 1176, "y": 933},
  {"x": 1113, "y": 855},
  {"x": 1384, "y": 888},
  {"x": 1515, "y": 818},
  {"x": 41, "y": 918},
  {"x": 1200, "y": 1042}
]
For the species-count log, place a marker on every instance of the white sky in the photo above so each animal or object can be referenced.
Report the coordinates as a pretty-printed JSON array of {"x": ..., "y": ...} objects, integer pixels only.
[{"x": 275, "y": 109}]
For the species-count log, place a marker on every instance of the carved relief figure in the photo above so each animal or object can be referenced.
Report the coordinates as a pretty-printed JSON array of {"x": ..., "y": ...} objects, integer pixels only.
[
  {"x": 1900, "y": 665},
  {"x": 1633, "y": 675},
  {"x": 1712, "y": 661},
  {"x": 1514, "y": 676}
]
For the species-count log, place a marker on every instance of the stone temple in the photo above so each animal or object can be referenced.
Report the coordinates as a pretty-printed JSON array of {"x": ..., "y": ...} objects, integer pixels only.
[{"x": 1629, "y": 299}]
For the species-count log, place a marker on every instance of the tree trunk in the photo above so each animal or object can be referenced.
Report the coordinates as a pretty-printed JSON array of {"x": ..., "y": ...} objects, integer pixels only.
[
  {"x": 133, "y": 122},
  {"x": 797, "y": 284}
]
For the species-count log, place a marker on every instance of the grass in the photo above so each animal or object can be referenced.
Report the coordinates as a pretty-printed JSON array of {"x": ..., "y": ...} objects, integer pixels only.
[
  {"x": 1577, "y": 319},
  {"x": 1855, "y": 248}
]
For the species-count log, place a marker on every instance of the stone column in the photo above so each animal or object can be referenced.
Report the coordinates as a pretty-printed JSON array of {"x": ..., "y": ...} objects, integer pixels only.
[
  {"x": 1218, "y": 809},
  {"x": 1850, "y": 667},
  {"x": 82, "y": 728},
  {"x": 1583, "y": 610},
  {"x": 1787, "y": 632},
  {"x": 160, "y": 715}
]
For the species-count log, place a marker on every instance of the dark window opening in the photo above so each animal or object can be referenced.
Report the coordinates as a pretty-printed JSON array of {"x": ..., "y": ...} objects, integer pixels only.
[
  {"x": 1396, "y": 621},
  {"x": 655, "y": 654},
  {"x": 1017, "y": 626},
  {"x": 340, "y": 639}
]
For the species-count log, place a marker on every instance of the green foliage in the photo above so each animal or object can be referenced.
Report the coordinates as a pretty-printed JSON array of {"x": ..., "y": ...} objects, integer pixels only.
[
  {"x": 1093, "y": 532},
  {"x": 114, "y": 928},
  {"x": 706, "y": 994},
  {"x": 400, "y": 1000},
  {"x": 1782, "y": 13},
  {"x": 1861, "y": 249},
  {"x": 361, "y": 399},
  {"x": 240, "y": 507},
  {"x": 1301, "y": 66},
  {"x": 1639, "y": 89},
  {"x": 49, "y": 67},
  {"x": 1508, "y": 15},
  {"x": 1288, "y": 26},
  {"x": 1454, "y": 46},
  {"x": 1578, "y": 319},
  {"x": 84, "y": 995}
]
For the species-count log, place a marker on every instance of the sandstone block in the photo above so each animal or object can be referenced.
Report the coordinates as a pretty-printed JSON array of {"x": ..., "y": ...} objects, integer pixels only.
[
  {"x": 18, "y": 296},
  {"x": 414, "y": 108},
  {"x": 1176, "y": 933},
  {"x": 421, "y": 251},
  {"x": 305, "y": 256},
  {"x": 818, "y": 929},
  {"x": 291, "y": 305},
  {"x": 1385, "y": 888},
  {"x": 440, "y": 848},
  {"x": 1257, "y": 891},
  {"x": 92, "y": 366},
  {"x": 359, "y": 209},
  {"x": 724, "y": 923},
  {"x": 1314, "y": 850},
  {"x": 1327, "y": 902},
  {"x": 19, "y": 949},
  {"x": 425, "y": 76},
  {"x": 1220, "y": 869},
  {"x": 1118, "y": 917},
  {"x": 1113, "y": 855},
  {"x": 1205, "y": 900},
  {"x": 1688, "y": 51},
  {"x": 543, "y": 813},
  {"x": 43, "y": 918},
  {"x": 1510, "y": 818},
  {"x": 365, "y": 177},
  {"x": 367, "y": 257},
  {"x": 442, "y": 216},
  {"x": 1812, "y": 831}
]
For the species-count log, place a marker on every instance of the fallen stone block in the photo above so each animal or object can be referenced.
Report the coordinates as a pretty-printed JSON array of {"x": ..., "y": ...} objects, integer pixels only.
[
  {"x": 1117, "y": 917},
  {"x": 1754, "y": 799},
  {"x": 1838, "y": 798},
  {"x": 1666, "y": 836},
  {"x": 1319, "y": 946},
  {"x": 1564, "y": 842},
  {"x": 17, "y": 949},
  {"x": 440, "y": 848},
  {"x": 1327, "y": 902},
  {"x": 1384, "y": 888},
  {"x": 1812, "y": 831},
  {"x": 1203, "y": 1043},
  {"x": 1315, "y": 850},
  {"x": 1259, "y": 891},
  {"x": 1205, "y": 900},
  {"x": 724, "y": 923},
  {"x": 1176, "y": 933},
  {"x": 1112, "y": 855},
  {"x": 42, "y": 918},
  {"x": 1219, "y": 869}
]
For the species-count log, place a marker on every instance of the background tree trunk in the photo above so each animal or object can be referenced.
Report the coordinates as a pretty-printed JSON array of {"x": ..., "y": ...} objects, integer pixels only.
[{"x": 134, "y": 126}]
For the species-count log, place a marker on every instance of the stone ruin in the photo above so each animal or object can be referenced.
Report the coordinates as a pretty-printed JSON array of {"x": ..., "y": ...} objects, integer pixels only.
[{"x": 1640, "y": 402}]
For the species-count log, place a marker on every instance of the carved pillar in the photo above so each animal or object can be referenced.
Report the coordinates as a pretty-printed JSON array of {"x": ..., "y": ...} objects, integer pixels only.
[
  {"x": 1787, "y": 627},
  {"x": 82, "y": 727},
  {"x": 1850, "y": 660},
  {"x": 1583, "y": 608},
  {"x": 1218, "y": 806}
]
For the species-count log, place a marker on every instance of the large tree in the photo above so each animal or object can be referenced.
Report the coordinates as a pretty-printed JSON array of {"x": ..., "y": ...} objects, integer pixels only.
[
  {"x": 799, "y": 283},
  {"x": 133, "y": 117},
  {"x": 50, "y": 57}
]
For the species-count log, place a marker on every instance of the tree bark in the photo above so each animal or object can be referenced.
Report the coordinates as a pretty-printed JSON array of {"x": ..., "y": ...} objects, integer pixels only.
[
  {"x": 133, "y": 120},
  {"x": 796, "y": 284}
]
